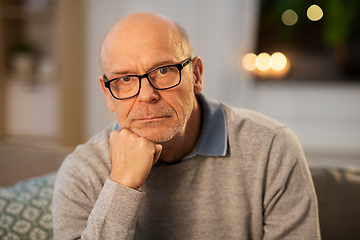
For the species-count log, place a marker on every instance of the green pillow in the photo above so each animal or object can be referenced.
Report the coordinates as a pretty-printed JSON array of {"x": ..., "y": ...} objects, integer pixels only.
[{"x": 25, "y": 209}]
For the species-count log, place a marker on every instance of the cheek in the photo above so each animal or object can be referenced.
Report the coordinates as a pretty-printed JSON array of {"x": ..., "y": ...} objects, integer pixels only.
[
  {"x": 185, "y": 104},
  {"x": 122, "y": 111}
]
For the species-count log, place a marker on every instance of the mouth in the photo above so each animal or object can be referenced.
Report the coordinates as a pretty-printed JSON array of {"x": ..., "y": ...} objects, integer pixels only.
[{"x": 151, "y": 119}]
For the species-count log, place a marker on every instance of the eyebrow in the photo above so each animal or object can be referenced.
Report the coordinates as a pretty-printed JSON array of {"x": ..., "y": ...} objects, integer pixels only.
[{"x": 157, "y": 65}]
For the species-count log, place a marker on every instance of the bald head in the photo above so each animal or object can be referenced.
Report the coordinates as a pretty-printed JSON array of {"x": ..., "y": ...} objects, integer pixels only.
[{"x": 141, "y": 32}]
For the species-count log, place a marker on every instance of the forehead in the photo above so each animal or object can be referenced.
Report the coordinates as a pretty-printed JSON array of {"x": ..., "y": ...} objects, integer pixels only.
[{"x": 141, "y": 42}]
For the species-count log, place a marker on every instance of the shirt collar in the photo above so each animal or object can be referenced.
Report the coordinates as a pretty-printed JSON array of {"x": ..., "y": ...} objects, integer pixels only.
[{"x": 213, "y": 138}]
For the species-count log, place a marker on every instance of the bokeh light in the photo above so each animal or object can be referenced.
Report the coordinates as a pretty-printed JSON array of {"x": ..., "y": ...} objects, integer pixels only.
[
  {"x": 279, "y": 61},
  {"x": 315, "y": 13},
  {"x": 275, "y": 66},
  {"x": 289, "y": 17},
  {"x": 263, "y": 62},
  {"x": 248, "y": 61}
]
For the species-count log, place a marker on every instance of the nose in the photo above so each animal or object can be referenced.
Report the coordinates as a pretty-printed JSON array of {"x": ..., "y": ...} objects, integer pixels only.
[{"x": 147, "y": 92}]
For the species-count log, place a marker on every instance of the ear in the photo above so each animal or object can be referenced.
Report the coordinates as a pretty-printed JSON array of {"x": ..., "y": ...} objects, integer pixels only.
[
  {"x": 197, "y": 73},
  {"x": 109, "y": 98}
]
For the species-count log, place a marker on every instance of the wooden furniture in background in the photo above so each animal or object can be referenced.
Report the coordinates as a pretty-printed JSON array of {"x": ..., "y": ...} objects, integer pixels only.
[{"x": 55, "y": 31}]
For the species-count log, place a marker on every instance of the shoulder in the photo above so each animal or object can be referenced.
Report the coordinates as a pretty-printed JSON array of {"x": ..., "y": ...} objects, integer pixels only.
[
  {"x": 98, "y": 144},
  {"x": 96, "y": 148},
  {"x": 236, "y": 116},
  {"x": 90, "y": 161},
  {"x": 254, "y": 130}
]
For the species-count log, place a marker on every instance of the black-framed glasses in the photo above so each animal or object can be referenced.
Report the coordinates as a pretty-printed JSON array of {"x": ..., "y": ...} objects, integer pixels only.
[{"x": 161, "y": 78}]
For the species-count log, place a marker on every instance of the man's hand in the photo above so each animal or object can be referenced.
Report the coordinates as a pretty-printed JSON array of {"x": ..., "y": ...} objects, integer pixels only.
[{"x": 131, "y": 157}]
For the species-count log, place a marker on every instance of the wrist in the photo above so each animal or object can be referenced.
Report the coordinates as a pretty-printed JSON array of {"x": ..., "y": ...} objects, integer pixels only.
[{"x": 125, "y": 181}]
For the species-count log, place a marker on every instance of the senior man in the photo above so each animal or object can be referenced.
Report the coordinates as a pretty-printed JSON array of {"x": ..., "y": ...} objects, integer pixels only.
[{"x": 177, "y": 165}]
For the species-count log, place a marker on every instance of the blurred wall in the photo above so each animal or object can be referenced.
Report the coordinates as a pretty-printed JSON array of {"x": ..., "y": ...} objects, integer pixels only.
[
  {"x": 324, "y": 116},
  {"x": 221, "y": 33}
]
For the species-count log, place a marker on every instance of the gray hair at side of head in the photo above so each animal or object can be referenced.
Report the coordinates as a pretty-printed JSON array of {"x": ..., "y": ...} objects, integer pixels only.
[{"x": 183, "y": 42}]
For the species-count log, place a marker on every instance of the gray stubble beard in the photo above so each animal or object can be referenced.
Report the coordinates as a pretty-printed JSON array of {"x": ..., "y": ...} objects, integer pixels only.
[{"x": 179, "y": 127}]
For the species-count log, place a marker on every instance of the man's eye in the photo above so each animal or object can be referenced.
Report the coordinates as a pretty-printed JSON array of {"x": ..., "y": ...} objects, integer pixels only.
[
  {"x": 126, "y": 78},
  {"x": 163, "y": 70}
]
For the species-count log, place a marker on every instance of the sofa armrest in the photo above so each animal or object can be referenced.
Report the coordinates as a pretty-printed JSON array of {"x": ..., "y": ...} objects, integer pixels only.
[
  {"x": 338, "y": 192},
  {"x": 23, "y": 162}
]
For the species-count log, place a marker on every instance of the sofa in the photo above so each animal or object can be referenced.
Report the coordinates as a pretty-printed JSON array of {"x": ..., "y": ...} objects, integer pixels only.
[
  {"x": 25, "y": 206},
  {"x": 338, "y": 192}
]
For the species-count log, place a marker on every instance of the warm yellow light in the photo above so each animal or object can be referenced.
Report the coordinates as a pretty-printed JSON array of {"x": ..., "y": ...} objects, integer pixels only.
[
  {"x": 263, "y": 62},
  {"x": 289, "y": 17},
  {"x": 315, "y": 13},
  {"x": 279, "y": 61},
  {"x": 248, "y": 61}
]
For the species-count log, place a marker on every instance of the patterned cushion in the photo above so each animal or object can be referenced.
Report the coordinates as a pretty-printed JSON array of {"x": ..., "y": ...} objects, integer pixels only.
[{"x": 25, "y": 209}]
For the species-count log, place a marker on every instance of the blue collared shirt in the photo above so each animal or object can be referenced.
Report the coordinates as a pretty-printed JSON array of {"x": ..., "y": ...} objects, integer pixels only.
[{"x": 213, "y": 138}]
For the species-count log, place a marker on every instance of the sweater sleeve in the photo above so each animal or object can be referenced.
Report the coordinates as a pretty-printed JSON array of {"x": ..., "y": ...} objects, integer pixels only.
[
  {"x": 88, "y": 205},
  {"x": 114, "y": 214},
  {"x": 290, "y": 203}
]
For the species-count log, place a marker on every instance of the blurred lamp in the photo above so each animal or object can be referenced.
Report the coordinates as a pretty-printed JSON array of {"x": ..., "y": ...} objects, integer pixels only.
[
  {"x": 315, "y": 13},
  {"x": 263, "y": 62},
  {"x": 248, "y": 61},
  {"x": 289, "y": 17},
  {"x": 279, "y": 61},
  {"x": 276, "y": 66}
]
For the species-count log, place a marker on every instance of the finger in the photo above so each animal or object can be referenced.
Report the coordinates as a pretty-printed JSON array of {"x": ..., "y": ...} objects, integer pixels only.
[
  {"x": 113, "y": 136},
  {"x": 158, "y": 149}
]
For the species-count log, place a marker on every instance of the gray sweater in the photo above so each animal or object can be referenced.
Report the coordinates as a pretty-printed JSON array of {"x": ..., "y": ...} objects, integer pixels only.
[{"x": 261, "y": 189}]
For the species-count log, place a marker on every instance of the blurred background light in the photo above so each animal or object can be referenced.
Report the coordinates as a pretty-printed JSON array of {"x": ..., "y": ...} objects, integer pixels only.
[
  {"x": 315, "y": 13},
  {"x": 279, "y": 61},
  {"x": 264, "y": 66},
  {"x": 289, "y": 17},
  {"x": 263, "y": 62},
  {"x": 248, "y": 61}
]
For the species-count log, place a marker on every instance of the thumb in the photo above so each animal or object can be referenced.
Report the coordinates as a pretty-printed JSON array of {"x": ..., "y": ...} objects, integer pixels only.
[{"x": 158, "y": 149}]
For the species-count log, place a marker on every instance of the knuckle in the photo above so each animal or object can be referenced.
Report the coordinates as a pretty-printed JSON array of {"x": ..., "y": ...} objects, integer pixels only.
[
  {"x": 143, "y": 141},
  {"x": 124, "y": 132},
  {"x": 113, "y": 135}
]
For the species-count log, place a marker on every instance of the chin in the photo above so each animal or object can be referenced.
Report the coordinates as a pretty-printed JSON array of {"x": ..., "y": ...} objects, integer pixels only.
[
  {"x": 158, "y": 135},
  {"x": 160, "y": 139}
]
